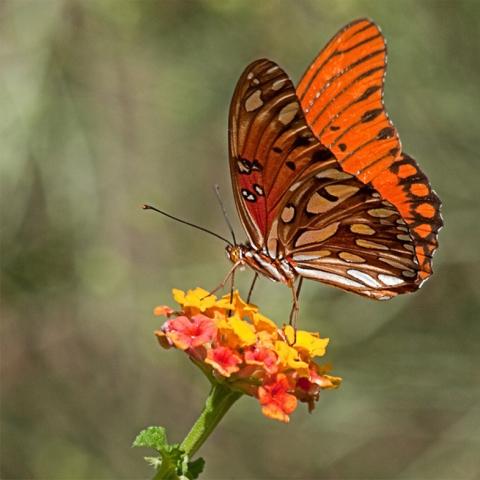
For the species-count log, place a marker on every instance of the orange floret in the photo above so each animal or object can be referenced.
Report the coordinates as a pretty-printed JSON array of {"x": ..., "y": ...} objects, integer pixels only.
[
  {"x": 224, "y": 360},
  {"x": 276, "y": 402},
  {"x": 234, "y": 344}
]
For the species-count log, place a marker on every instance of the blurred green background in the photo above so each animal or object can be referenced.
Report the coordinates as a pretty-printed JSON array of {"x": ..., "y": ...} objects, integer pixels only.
[{"x": 106, "y": 104}]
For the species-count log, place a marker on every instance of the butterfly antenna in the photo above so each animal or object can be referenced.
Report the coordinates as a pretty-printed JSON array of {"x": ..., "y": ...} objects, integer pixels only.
[
  {"x": 216, "y": 188},
  {"x": 198, "y": 227}
]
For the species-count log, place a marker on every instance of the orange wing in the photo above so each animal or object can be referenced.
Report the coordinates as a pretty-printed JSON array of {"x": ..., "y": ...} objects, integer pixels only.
[
  {"x": 408, "y": 188},
  {"x": 342, "y": 97}
]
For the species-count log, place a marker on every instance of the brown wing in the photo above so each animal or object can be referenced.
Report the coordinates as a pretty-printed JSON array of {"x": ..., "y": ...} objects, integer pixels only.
[
  {"x": 339, "y": 231},
  {"x": 270, "y": 146}
]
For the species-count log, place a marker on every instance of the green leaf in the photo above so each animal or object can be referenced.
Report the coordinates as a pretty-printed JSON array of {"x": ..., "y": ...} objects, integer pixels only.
[
  {"x": 155, "y": 462},
  {"x": 195, "y": 468},
  {"x": 152, "y": 437},
  {"x": 173, "y": 463}
]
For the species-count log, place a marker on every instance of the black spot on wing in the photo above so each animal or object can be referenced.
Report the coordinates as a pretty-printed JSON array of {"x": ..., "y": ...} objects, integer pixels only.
[
  {"x": 248, "y": 195},
  {"x": 370, "y": 115},
  {"x": 256, "y": 166},
  {"x": 367, "y": 74},
  {"x": 290, "y": 165},
  {"x": 385, "y": 133},
  {"x": 301, "y": 142},
  {"x": 367, "y": 93},
  {"x": 394, "y": 151},
  {"x": 321, "y": 155},
  {"x": 327, "y": 196}
]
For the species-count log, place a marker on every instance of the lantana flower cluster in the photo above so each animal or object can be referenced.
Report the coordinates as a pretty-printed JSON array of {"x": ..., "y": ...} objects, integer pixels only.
[{"x": 233, "y": 343}]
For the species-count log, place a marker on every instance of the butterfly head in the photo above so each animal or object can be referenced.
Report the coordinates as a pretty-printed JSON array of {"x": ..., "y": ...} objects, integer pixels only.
[{"x": 235, "y": 253}]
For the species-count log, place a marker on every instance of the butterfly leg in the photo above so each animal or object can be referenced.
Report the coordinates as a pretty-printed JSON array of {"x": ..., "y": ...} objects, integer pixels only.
[
  {"x": 251, "y": 287},
  {"x": 232, "y": 284},
  {"x": 295, "y": 305},
  {"x": 230, "y": 273},
  {"x": 295, "y": 309}
]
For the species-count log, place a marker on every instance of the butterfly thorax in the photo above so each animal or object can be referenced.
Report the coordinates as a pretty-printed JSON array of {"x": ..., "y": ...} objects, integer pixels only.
[{"x": 277, "y": 269}]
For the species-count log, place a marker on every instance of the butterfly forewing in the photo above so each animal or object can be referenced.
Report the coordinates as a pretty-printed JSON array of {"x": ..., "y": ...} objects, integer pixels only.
[
  {"x": 342, "y": 97},
  {"x": 271, "y": 146}
]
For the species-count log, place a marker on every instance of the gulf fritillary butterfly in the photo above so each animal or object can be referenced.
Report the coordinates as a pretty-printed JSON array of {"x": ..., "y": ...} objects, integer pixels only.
[{"x": 321, "y": 184}]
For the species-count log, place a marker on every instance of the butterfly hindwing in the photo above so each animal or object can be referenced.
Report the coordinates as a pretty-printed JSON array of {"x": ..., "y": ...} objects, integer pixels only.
[
  {"x": 340, "y": 231},
  {"x": 406, "y": 186}
]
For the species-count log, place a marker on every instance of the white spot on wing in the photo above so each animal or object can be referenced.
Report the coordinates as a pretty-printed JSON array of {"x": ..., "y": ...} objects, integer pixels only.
[
  {"x": 365, "y": 278},
  {"x": 254, "y": 101},
  {"x": 243, "y": 168},
  {"x": 272, "y": 242},
  {"x": 319, "y": 204},
  {"x": 341, "y": 191},
  {"x": 362, "y": 229},
  {"x": 312, "y": 256},
  {"x": 277, "y": 85},
  {"x": 259, "y": 190},
  {"x": 350, "y": 257},
  {"x": 248, "y": 195},
  {"x": 288, "y": 213},
  {"x": 328, "y": 277},
  {"x": 317, "y": 236},
  {"x": 390, "y": 280},
  {"x": 369, "y": 244},
  {"x": 399, "y": 262},
  {"x": 287, "y": 113},
  {"x": 334, "y": 174},
  {"x": 380, "y": 212}
]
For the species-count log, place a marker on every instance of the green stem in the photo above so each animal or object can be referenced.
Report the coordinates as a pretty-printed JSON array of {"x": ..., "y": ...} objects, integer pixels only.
[
  {"x": 219, "y": 401},
  {"x": 167, "y": 471}
]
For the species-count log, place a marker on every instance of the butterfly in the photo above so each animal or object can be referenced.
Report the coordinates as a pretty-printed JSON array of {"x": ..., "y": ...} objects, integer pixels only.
[{"x": 321, "y": 184}]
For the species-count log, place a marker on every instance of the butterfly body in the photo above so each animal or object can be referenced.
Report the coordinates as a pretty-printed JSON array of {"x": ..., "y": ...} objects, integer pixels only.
[
  {"x": 276, "y": 269},
  {"x": 321, "y": 184}
]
